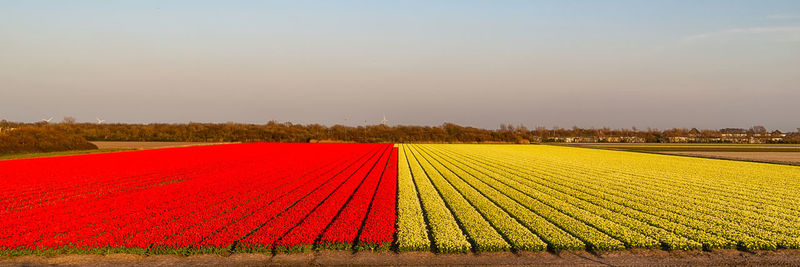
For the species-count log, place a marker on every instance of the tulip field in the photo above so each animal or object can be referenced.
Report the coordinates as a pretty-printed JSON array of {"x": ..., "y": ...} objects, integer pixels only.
[
  {"x": 280, "y": 197},
  {"x": 239, "y": 197},
  {"x": 459, "y": 198}
]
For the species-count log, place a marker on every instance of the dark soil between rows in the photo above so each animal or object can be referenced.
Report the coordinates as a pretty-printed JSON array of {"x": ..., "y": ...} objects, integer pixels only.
[{"x": 636, "y": 257}]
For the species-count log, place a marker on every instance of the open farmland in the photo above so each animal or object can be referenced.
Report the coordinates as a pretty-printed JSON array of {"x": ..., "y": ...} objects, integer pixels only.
[
  {"x": 261, "y": 197},
  {"x": 457, "y": 198},
  {"x": 419, "y": 204}
]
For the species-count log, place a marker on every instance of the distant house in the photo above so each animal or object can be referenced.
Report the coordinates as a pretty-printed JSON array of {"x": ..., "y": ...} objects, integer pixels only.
[
  {"x": 774, "y": 137},
  {"x": 633, "y": 139},
  {"x": 733, "y": 132},
  {"x": 678, "y": 139},
  {"x": 777, "y": 136},
  {"x": 734, "y": 135},
  {"x": 581, "y": 139},
  {"x": 695, "y": 136},
  {"x": 619, "y": 139}
]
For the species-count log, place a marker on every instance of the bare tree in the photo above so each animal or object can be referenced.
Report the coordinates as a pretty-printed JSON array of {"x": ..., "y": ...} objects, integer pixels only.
[
  {"x": 69, "y": 120},
  {"x": 758, "y": 129}
]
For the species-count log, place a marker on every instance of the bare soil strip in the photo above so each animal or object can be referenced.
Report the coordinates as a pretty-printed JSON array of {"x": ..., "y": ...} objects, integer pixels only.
[
  {"x": 774, "y": 157},
  {"x": 565, "y": 258},
  {"x": 689, "y": 147},
  {"x": 681, "y": 145}
]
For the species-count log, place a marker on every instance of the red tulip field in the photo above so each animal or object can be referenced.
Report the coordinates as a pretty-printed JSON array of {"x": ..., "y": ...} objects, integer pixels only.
[{"x": 238, "y": 197}]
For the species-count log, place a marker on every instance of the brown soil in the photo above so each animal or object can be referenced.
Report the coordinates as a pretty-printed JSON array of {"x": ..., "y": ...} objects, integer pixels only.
[
  {"x": 776, "y": 157},
  {"x": 147, "y": 145},
  {"x": 636, "y": 257}
]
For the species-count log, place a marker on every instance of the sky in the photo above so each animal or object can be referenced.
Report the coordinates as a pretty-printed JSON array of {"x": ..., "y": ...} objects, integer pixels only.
[{"x": 619, "y": 64}]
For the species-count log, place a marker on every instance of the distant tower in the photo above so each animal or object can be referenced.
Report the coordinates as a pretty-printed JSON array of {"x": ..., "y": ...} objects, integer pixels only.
[{"x": 384, "y": 121}]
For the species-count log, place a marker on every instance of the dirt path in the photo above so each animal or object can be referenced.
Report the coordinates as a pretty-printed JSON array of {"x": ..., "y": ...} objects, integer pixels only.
[
  {"x": 567, "y": 258},
  {"x": 776, "y": 157}
]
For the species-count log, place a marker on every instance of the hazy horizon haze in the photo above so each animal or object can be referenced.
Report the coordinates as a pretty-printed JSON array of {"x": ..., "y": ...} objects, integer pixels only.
[{"x": 659, "y": 64}]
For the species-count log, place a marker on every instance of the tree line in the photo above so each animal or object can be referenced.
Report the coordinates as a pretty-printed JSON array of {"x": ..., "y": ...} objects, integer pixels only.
[
  {"x": 35, "y": 139},
  {"x": 288, "y": 132}
]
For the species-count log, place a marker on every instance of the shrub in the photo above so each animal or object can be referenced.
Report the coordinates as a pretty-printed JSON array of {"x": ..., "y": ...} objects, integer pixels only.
[{"x": 27, "y": 139}]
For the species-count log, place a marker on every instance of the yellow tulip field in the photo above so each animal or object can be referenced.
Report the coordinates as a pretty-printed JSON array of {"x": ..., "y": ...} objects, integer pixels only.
[{"x": 461, "y": 198}]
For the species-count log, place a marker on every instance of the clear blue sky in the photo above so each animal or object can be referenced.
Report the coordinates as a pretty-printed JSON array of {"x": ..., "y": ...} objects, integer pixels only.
[{"x": 705, "y": 64}]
